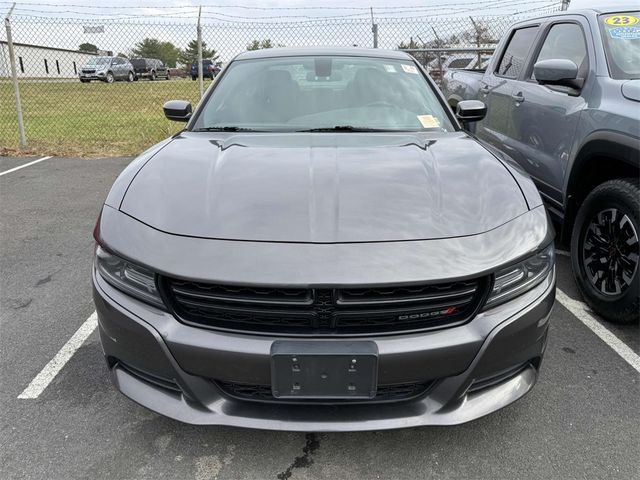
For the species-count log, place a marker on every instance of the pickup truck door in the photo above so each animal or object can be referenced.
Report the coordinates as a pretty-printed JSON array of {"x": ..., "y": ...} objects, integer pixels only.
[
  {"x": 496, "y": 88},
  {"x": 545, "y": 118}
]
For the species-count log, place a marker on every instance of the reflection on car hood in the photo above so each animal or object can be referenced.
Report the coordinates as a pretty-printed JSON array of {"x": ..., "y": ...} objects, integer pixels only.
[{"x": 324, "y": 188}]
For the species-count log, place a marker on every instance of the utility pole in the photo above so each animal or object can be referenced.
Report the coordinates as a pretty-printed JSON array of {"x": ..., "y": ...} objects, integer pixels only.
[
  {"x": 200, "y": 73},
  {"x": 565, "y": 4},
  {"x": 14, "y": 77},
  {"x": 374, "y": 29}
]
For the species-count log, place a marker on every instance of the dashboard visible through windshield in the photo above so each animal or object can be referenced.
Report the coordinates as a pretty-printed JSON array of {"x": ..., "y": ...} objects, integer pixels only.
[{"x": 323, "y": 93}]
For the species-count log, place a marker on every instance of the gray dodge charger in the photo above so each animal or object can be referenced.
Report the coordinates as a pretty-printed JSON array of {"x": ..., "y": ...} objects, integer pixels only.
[{"x": 323, "y": 248}]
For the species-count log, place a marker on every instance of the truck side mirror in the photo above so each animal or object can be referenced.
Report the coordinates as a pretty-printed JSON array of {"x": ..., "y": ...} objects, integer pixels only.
[
  {"x": 469, "y": 111},
  {"x": 177, "y": 110},
  {"x": 557, "y": 71}
]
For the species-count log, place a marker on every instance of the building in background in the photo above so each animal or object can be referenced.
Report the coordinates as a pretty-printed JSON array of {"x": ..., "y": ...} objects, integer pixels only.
[{"x": 37, "y": 61}]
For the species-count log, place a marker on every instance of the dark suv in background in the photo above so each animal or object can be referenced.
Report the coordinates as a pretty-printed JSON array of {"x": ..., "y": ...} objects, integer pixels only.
[
  {"x": 150, "y": 68},
  {"x": 209, "y": 70}
]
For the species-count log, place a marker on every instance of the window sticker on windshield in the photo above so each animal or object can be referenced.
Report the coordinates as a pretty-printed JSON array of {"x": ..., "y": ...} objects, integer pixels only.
[
  {"x": 409, "y": 69},
  {"x": 625, "y": 33},
  {"x": 621, "y": 20},
  {"x": 429, "y": 121},
  {"x": 390, "y": 68}
]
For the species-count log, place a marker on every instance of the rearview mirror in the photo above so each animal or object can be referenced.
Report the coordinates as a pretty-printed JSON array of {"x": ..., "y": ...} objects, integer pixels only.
[
  {"x": 469, "y": 111},
  {"x": 557, "y": 71},
  {"x": 177, "y": 110}
]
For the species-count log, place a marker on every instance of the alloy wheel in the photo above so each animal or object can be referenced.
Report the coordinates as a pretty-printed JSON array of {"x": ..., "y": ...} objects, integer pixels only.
[{"x": 610, "y": 252}]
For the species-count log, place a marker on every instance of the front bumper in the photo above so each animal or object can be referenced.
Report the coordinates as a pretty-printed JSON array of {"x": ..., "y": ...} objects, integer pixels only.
[
  {"x": 170, "y": 367},
  {"x": 93, "y": 76}
]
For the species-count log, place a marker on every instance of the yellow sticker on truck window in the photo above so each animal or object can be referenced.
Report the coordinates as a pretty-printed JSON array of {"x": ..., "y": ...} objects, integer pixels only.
[
  {"x": 429, "y": 121},
  {"x": 621, "y": 20}
]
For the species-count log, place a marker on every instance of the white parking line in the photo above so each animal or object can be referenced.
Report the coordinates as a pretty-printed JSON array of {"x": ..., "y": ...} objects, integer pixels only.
[
  {"x": 51, "y": 369},
  {"x": 579, "y": 310},
  {"x": 25, "y": 165}
]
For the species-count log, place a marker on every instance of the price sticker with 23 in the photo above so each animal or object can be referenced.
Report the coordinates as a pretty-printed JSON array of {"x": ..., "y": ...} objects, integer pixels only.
[{"x": 621, "y": 20}]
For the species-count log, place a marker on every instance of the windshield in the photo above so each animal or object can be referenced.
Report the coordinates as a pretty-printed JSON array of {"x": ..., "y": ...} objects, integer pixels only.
[
  {"x": 621, "y": 34},
  {"x": 339, "y": 93},
  {"x": 99, "y": 61}
]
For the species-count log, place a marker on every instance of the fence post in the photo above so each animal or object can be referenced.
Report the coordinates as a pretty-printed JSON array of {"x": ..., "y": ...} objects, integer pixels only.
[
  {"x": 14, "y": 77},
  {"x": 200, "y": 73},
  {"x": 374, "y": 29}
]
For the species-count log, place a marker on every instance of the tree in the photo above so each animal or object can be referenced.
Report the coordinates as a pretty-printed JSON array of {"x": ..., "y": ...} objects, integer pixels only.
[
  {"x": 259, "y": 45},
  {"x": 190, "y": 54},
  {"x": 88, "y": 47},
  {"x": 154, "y": 48}
]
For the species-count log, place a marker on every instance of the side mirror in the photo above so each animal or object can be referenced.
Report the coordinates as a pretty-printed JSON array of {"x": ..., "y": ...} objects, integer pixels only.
[
  {"x": 557, "y": 71},
  {"x": 177, "y": 110},
  {"x": 469, "y": 111}
]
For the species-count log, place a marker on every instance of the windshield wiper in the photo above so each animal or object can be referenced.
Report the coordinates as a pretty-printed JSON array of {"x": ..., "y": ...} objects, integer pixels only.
[
  {"x": 227, "y": 128},
  {"x": 342, "y": 128}
]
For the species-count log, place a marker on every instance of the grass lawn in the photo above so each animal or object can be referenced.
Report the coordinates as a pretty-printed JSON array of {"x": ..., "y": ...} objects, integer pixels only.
[{"x": 90, "y": 119}]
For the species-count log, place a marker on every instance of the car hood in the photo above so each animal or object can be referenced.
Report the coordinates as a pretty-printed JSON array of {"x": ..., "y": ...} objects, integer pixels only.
[{"x": 323, "y": 187}]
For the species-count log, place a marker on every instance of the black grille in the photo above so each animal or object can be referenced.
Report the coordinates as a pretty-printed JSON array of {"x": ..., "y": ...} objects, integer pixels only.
[
  {"x": 323, "y": 311},
  {"x": 385, "y": 393}
]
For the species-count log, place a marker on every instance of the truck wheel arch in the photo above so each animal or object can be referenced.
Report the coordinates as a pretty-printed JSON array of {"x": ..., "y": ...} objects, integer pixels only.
[{"x": 604, "y": 155}]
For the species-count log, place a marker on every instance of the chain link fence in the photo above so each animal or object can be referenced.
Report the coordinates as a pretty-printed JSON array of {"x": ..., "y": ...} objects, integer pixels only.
[{"x": 118, "y": 109}]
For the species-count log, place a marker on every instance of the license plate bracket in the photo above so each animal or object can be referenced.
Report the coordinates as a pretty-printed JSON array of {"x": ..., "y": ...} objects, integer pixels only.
[{"x": 324, "y": 370}]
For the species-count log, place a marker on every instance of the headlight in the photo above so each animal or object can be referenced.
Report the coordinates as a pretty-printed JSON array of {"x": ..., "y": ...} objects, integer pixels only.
[
  {"x": 521, "y": 277},
  {"x": 132, "y": 279}
]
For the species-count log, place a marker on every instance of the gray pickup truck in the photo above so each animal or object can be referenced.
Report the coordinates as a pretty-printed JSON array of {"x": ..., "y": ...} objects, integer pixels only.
[{"x": 563, "y": 99}]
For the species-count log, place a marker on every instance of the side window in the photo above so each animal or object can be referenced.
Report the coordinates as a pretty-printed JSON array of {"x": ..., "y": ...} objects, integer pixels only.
[
  {"x": 515, "y": 54},
  {"x": 565, "y": 41}
]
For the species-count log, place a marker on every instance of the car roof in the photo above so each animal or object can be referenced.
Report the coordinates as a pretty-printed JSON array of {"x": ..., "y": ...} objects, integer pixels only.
[
  {"x": 324, "y": 51},
  {"x": 586, "y": 12}
]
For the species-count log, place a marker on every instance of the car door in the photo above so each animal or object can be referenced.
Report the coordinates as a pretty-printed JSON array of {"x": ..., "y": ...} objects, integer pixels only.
[
  {"x": 161, "y": 69},
  {"x": 117, "y": 68},
  {"x": 545, "y": 117},
  {"x": 497, "y": 86}
]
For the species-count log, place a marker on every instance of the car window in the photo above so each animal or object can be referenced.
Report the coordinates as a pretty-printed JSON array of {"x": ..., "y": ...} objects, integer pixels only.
[
  {"x": 311, "y": 92},
  {"x": 515, "y": 54},
  {"x": 460, "y": 62},
  {"x": 565, "y": 41},
  {"x": 621, "y": 37}
]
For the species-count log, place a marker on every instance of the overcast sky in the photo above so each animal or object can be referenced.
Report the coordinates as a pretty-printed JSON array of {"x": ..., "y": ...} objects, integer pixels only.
[
  {"x": 229, "y": 10},
  {"x": 177, "y": 25}
]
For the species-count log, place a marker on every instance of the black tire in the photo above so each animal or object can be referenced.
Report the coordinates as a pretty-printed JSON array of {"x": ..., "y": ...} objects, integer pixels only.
[
  {"x": 84, "y": 81},
  {"x": 605, "y": 250},
  {"x": 168, "y": 75},
  {"x": 193, "y": 78},
  {"x": 153, "y": 76},
  {"x": 110, "y": 78},
  {"x": 130, "y": 77}
]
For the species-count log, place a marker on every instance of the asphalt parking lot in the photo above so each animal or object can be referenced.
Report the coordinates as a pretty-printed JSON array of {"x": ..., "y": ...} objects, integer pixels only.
[{"x": 580, "y": 421}]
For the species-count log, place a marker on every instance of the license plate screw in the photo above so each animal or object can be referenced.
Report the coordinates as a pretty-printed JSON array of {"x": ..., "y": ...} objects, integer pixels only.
[
  {"x": 351, "y": 387},
  {"x": 296, "y": 367},
  {"x": 296, "y": 386}
]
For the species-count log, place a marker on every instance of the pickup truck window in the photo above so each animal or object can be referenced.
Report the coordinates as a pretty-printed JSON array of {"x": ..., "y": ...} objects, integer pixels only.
[
  {"x": 621, "y": 38},
  {"x": 565, "y": 41},
  {"x": 515, "y": 54}
]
